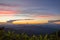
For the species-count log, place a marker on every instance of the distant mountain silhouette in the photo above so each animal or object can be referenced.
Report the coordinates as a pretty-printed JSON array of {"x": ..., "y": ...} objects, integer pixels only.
[{"x": 33, "y": 29}]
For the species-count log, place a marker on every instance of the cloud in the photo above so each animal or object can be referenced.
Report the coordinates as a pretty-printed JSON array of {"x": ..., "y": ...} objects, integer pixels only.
[
  {"x": 38, "y": 11},
  {"x": 34, "y": 10},
  {"x": 51, "y": 21},
  {"x": 43, "y": 16},
  {"x": 7, "y": 13},
  {"x": 9, "y": 5},
  {"x": 55, "y": 21}
]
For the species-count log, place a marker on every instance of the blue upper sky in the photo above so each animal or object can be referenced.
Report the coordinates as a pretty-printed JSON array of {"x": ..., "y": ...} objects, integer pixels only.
[{"x": 30, "y": 8}]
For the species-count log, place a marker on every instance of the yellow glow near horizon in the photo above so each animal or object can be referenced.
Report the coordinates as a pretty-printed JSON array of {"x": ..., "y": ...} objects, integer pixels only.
[
  {"x": 2, "y": 20},
  {"x": 30, "y": 22}
]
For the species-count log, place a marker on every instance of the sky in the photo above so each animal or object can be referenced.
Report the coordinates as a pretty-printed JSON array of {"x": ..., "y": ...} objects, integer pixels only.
[{"x": 29, "y": 9}]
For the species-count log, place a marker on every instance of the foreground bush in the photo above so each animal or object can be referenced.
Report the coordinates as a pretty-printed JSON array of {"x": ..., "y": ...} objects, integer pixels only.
[{"x": 23, "y": 36}]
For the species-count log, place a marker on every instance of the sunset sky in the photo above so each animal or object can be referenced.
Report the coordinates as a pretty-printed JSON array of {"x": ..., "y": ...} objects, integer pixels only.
[{"x": 29, "y": 9}]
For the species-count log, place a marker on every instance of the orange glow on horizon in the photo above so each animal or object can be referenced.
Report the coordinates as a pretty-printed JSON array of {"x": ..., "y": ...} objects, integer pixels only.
[{"x": 30, "y": 22}]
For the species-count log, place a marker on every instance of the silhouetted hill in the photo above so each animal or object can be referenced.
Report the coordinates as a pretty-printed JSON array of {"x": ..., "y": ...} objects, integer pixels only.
[{"x": 32, "y": 29}]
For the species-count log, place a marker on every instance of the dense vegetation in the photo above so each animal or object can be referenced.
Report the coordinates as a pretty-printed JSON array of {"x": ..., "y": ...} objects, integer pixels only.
[{"x": 23, "y": 36}]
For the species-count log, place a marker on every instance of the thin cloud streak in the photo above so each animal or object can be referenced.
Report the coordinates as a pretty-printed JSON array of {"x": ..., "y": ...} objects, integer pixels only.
[{"x": 8, "y": 5}]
